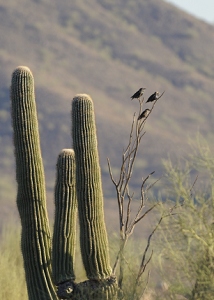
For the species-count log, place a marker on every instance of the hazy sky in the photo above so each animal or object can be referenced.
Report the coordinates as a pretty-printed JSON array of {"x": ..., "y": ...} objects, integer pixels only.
[{"x": 203, "y": 9}]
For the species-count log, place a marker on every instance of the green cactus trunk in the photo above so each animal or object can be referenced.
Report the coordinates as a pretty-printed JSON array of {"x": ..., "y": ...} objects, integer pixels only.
[
  {"x": 93, "y": 236},
  {"x": 31, "y": 199},
  {"x": 78, "y": 180},
  {"x": 64, "y": 236}
]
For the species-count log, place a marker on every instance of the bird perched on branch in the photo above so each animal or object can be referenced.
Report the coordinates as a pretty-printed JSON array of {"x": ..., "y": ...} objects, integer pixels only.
[
  {"x": 138, "y": 93},
  {"x": 153, "y": 97},
  {"x": 144, "y": 114}
]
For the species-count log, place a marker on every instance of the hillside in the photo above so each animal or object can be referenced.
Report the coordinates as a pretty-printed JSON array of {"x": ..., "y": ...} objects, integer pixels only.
[{"x": 107, "y": 49}]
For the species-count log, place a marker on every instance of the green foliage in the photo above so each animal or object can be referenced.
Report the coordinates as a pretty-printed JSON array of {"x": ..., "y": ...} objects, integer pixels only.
[{"x": 187, "y": 238}]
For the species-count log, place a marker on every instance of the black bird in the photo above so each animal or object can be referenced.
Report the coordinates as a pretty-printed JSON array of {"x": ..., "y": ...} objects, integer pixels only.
[
  {"x": 138, "y": 93},
  {"x": 153, "y": 97},
  {"x": 144, "y": 114}
]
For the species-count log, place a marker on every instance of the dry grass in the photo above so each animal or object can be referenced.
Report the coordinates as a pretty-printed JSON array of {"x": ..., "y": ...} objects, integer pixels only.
[{"x": 12, "y": 283}]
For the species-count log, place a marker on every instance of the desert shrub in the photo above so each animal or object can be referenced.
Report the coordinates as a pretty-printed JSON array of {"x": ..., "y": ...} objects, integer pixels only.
[{"x": 186, "y": 240}]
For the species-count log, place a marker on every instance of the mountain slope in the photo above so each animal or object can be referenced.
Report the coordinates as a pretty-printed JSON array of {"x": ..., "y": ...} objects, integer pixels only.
[{"x": 108, "y": 49}]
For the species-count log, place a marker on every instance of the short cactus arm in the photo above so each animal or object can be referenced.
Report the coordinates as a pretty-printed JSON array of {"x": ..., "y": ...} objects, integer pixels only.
[
  {"x": 31, "y": 199},
  {"x": 93, "y": 236},
  {"x": 64, "y": 236}
]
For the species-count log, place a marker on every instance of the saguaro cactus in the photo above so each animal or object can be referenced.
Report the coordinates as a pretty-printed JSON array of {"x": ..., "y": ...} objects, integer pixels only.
[
  {"x": 64, "y": 236},
  {"x": 93, "y": 237},
  {"x": 31, "y": 199},
  {"x": 31, "y": 202}
]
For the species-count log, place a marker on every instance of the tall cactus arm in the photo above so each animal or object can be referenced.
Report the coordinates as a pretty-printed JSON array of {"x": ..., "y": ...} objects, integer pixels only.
[
  {"x": 93, "y": 236},
  {"x": 31, "y": 199}
]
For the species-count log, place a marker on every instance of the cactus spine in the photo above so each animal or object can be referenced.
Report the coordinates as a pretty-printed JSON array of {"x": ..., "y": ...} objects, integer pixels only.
[
  {"x": 93, "y": 236},
  {"x": 65, "y": 218},
  {"x": 31, "y": 199}
]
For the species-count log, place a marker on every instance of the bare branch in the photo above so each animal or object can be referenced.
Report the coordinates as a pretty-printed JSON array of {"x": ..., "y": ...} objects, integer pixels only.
[
  {"x": 127, "y": 224},
  {"x": 193, "y": 185},
  {"x": 119, "y": 200},
  {"x": 150, "y": 209},
  {"x": 144, "y": 181},
  {"x": 128, "y": 210},
  {"x": 148, "y": 243},
  {"x": 160, "y": 95},
  {"x": 143, "y": 267},
  {"x": 116, "y": 263},
  {"x": 110, "y": 172},
  {"x": 152, "y": 184},
  {"x": 122, "y": 246},
  {"x": 131, "y": 134},
  {"x": 122, "y": 172}
]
